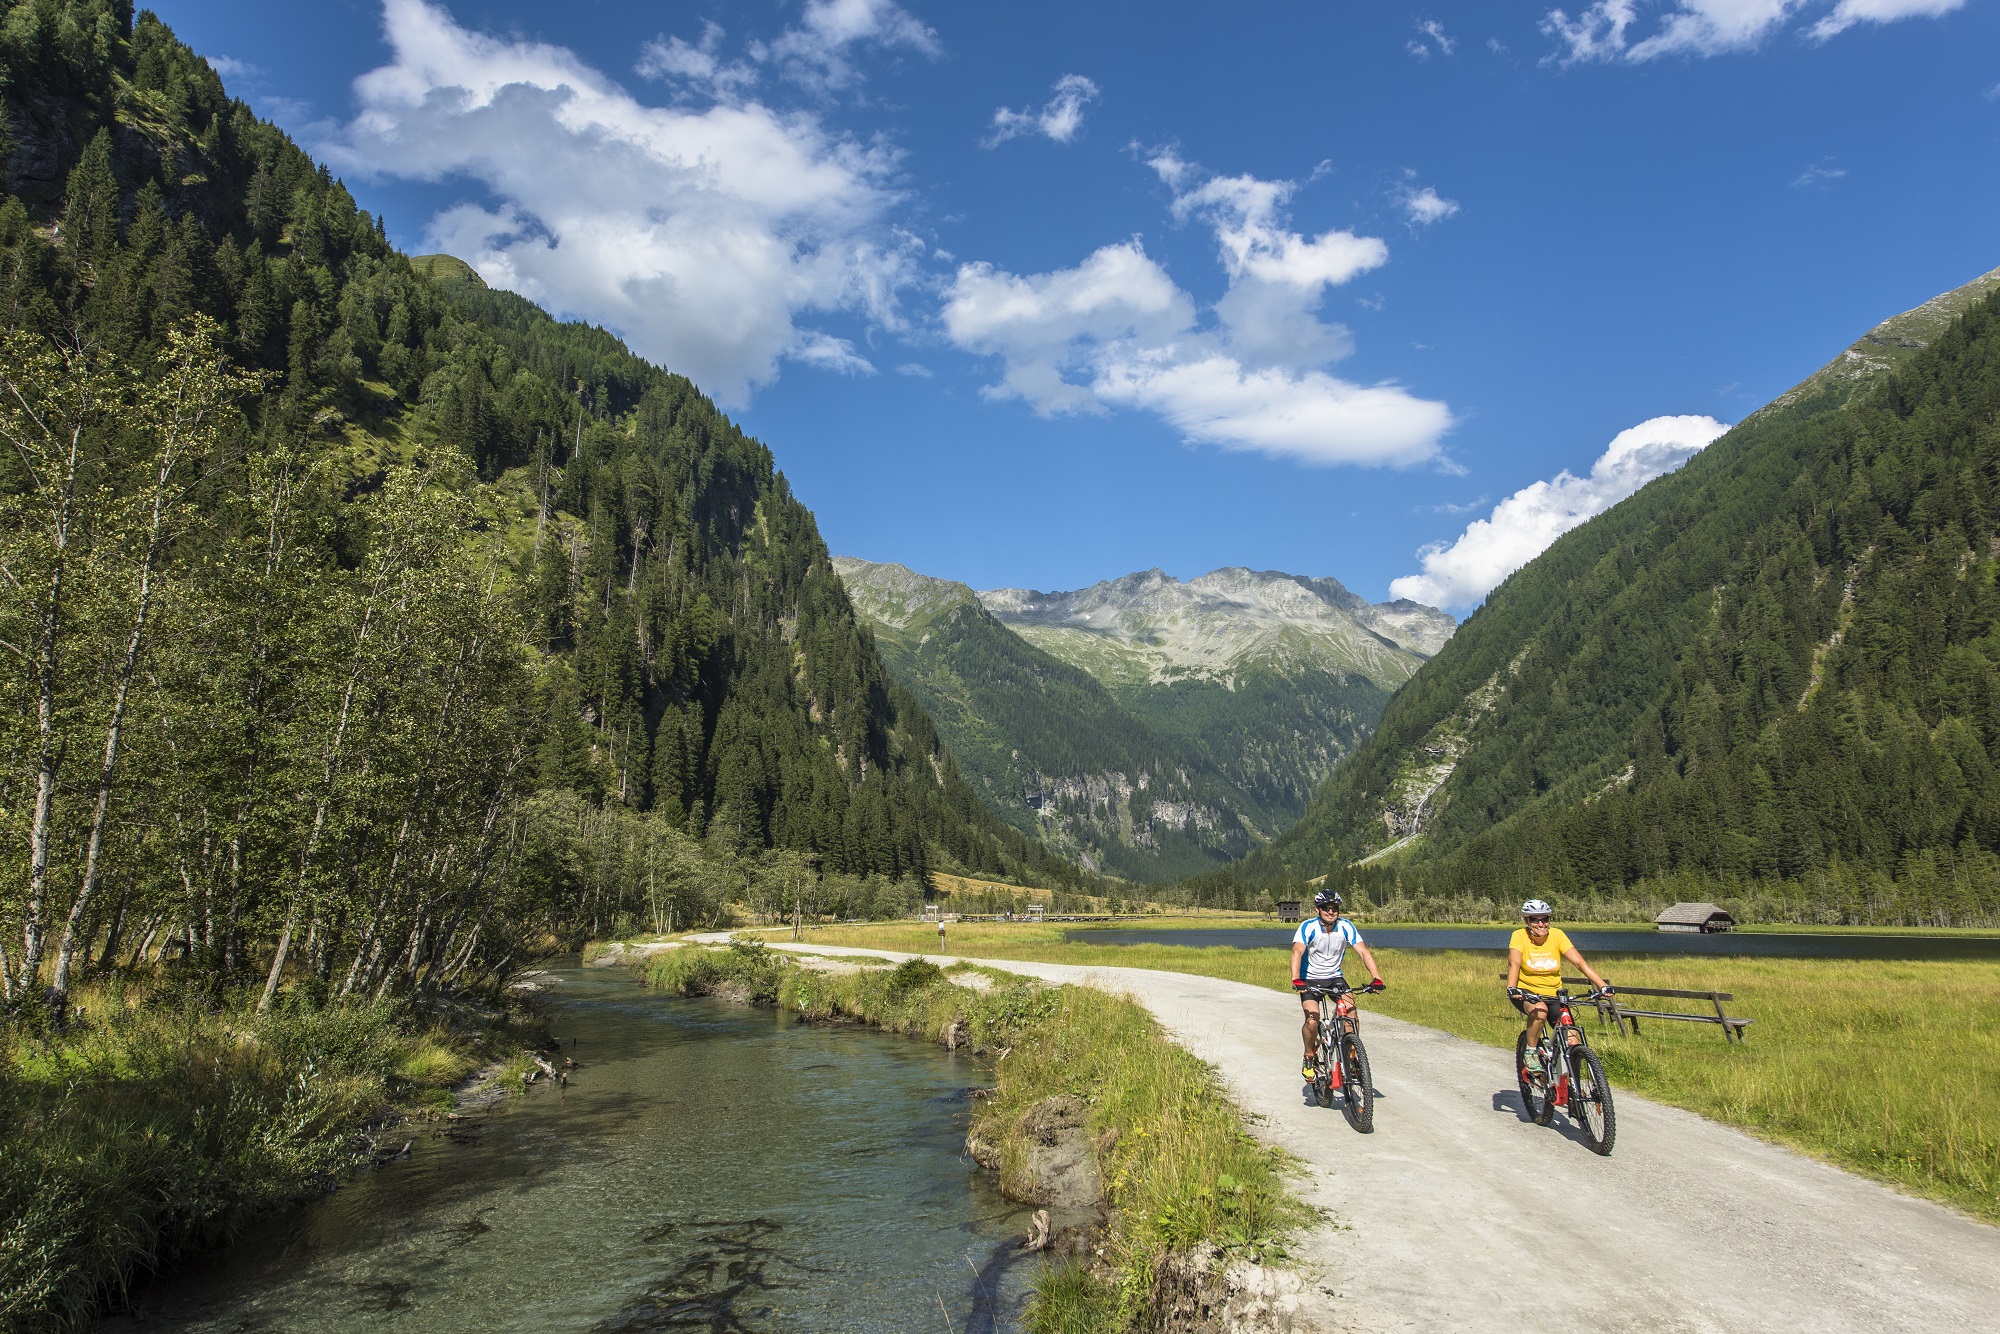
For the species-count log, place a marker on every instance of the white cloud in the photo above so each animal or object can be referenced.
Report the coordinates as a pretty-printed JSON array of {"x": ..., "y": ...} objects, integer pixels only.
[
  {"x": 1522, "y": 526},
  {"x": 1117, "y": 332},
  {"x": 1060, "y": 117},
  {"x": 1693, "y": 27},
  {"x": 1425, "y": 206},
  {"x": 1598, "y": 33},
  {"x": 1306, "y": 415},
  {"x": 1277, "y": 278},
  {"x": 1819, "y": 174},
  {"x": 1431, "y": 34},
  {"x": 1045, "y": 325},
  {"x": 229, "y": 67},
  {"x": 832, "y": 354},
  {"x": 914, "y": 368},
  {"x": 1246, "y": 215},
  {"x": 817, "y": 52},
  {"x": 1850, "y": 12},
  {"x": 673, "y": 58},
  {"x": 702, "y": 236},
  {"x": 1712, "y": 27}
]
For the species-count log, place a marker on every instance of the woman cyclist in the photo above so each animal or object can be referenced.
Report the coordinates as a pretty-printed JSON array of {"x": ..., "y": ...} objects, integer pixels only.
[{"x": 1534, "y": 970}]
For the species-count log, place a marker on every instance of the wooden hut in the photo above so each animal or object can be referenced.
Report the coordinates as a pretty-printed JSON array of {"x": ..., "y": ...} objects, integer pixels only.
[
  {"x": 1289, "y": 909},
  {"x": 1703, "y": 918}
]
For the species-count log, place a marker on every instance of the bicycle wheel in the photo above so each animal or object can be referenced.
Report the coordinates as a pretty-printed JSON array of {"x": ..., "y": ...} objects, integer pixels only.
[
  {"x": 1590, "y": 1100},
  {"x": 1536, "y": 1102},
  {"x": 1358, "y": 1085}
]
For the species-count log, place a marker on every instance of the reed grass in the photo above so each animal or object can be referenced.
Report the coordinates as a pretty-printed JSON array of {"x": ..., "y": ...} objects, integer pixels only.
[
  {"x": 1890, "y": 1069},
  {"x": 155, "y": 1125}
]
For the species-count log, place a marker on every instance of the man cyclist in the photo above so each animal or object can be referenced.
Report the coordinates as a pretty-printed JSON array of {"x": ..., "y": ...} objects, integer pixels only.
[
  {"x": 1534, "y": 970},
  {"x": 1318, "y": 947}
]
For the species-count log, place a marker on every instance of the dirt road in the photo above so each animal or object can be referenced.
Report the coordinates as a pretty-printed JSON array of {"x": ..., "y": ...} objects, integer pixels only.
[{"x": 1456, "y": 1214}]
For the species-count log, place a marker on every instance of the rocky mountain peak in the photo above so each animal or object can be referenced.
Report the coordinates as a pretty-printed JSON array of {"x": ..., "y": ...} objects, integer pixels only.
[
  {"x": 1150, "y": 625},
  {"x": 895, "y": 595}
]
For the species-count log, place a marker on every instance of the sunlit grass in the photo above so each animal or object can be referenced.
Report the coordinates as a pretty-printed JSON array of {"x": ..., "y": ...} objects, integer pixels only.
[{"x": 1887, "y": 1068}]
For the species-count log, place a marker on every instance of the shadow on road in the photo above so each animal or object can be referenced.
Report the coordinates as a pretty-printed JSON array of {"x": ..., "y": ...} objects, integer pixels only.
[{"x": 1509, "y": 1100}]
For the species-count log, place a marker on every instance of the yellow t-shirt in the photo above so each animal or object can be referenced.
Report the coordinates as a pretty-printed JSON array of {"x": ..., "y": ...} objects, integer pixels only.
[{"x": 1541, "y": 965}]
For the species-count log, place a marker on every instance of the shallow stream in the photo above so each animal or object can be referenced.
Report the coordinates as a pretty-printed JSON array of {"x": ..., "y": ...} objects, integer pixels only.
[{"x": 710, "y": 1167}]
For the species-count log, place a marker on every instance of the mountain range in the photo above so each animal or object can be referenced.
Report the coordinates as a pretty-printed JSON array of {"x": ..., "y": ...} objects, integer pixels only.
[
  {"x": 1771, "y": 675},
  {"x": 1144, "y": 725}
]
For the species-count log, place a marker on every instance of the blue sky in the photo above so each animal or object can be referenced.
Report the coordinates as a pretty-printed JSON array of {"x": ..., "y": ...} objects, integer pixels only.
[{"x": 1041, "y": 294}]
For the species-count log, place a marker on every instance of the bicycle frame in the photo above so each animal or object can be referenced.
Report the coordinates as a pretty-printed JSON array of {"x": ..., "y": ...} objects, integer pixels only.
[
  {"x": 1337, "y": 1015},
  {"x": 1555, "y": 1043},
  {"x": 1571, "y": 1077}
]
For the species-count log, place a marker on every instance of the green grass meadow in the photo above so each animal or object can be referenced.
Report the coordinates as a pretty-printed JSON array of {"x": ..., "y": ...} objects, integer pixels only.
[{"x": 1888, "y": 1069}]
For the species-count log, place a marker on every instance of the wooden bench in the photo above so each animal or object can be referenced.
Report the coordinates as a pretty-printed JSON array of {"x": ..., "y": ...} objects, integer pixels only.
[{"x": 1732, "y": 1027}]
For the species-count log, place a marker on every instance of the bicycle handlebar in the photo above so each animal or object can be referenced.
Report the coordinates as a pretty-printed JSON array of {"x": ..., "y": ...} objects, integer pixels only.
[{"x": 1342, "y": 988}]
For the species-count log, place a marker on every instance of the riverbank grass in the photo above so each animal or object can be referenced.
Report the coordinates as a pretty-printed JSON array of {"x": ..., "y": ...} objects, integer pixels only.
[
  {"x": 1890, "y": 1069},
  {"x": 154, "y": 1126},
  {"x": 1177, "y": 1168}
]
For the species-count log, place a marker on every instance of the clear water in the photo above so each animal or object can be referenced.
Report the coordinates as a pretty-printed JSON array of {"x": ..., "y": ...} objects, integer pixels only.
[
  {"x": 1589, "y": 942},
  {"x": 710, "y": 1167}
]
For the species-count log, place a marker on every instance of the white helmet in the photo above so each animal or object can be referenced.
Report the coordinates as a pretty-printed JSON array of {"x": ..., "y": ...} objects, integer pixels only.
[{"x": 1536, "y": 908}]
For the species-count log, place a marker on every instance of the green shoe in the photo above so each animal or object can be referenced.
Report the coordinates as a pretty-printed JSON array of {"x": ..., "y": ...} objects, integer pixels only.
[{"x": 1533, "y": 1061}]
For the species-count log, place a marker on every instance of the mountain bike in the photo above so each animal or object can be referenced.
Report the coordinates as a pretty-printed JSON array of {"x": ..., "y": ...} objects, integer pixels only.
[
  {"x": 1571, "y": 1077},
  {"x": 1341, "y": 1063}
]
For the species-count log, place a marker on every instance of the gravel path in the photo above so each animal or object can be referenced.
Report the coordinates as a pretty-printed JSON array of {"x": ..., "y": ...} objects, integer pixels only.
[{"x": 1688, "y": 1226}]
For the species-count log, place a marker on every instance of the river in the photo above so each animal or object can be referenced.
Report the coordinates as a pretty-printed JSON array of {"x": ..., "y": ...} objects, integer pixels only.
[
  {"x": 710, "y": 1167},
  {"x": 1741, "y": 944}
]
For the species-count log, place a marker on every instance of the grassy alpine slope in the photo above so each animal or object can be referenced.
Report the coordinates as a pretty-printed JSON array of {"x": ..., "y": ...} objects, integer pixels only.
[
  {"x": 1887, "y": 1069},
  {"x": 1775, "y": 673},
  {"x": 1178, "y": 1170}
]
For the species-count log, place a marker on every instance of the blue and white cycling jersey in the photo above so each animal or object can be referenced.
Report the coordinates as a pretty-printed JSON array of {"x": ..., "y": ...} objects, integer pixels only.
[{"x": 1324, "y": 948}]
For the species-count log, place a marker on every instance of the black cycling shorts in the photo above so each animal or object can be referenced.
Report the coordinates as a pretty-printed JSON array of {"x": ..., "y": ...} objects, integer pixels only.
[
  {"x": 1521, "y": 1003},
  {"x": 1328, "y": 984}
]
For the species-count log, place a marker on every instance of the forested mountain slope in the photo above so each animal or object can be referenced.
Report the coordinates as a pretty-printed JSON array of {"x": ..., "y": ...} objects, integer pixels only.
[
  {"x": 1043, "y": 742},
  {"x": 357, "y": 610},
  {"x": 1769, "y": 676}
]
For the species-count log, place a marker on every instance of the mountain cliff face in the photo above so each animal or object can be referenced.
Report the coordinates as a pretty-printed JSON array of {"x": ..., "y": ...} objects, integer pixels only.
[
  {"x": 1772, "y": 676},
  {"x": 1146, "y": 726}
]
